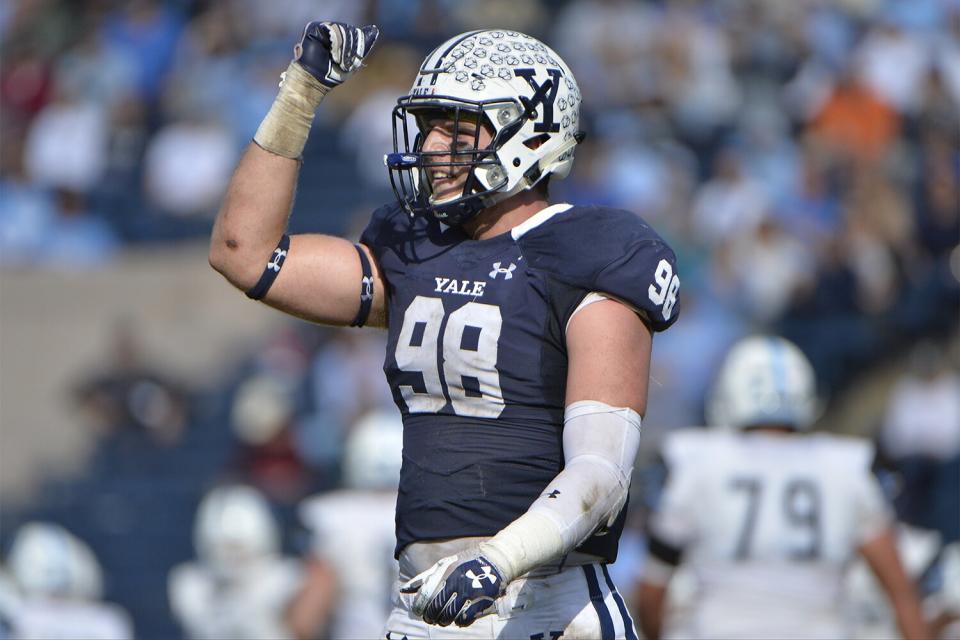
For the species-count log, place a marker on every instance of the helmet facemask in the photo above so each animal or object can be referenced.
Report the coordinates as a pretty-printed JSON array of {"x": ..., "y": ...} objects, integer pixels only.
[{"x": 411, "y": 166}]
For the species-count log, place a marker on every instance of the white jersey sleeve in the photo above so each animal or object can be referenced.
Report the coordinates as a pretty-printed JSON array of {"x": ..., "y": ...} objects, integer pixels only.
[{"x": 675, "y": 521}]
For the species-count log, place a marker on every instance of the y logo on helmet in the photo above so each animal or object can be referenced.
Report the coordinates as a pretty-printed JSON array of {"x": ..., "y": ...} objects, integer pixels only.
[{"x": 545, "y": 95}]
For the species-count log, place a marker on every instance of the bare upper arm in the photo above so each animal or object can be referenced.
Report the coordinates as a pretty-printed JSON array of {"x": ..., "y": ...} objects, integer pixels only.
[
  {"x": 321, "y": 282},
  {"x": 882, "y": 556},
  {"x": 608, "y": 350}
]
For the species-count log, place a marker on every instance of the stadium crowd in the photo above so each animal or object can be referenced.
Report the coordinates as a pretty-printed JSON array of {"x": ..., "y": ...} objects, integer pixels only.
[{"x": 801, "y": 157}]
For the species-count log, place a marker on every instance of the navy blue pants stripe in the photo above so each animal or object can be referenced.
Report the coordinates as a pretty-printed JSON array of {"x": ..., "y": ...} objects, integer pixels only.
[
  {"x": 627, "y": 620},
  {"x": 607, "y": 631}
]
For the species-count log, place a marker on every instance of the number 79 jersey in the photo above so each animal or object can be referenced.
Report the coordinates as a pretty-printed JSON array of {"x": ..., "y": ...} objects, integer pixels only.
[
  {"x": 476, "y": 356},
  {"x": 768, "y": 524}
]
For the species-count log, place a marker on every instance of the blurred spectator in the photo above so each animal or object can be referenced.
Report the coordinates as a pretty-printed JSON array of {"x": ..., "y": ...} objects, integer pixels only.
[
  {"x": 368, "y": 129},
  {"x": 239, "y": 586},
  {"x": 528, "y": 16},
  {"x": 697, "y": 79},
  {"x": 66, "y": 146},
  {"x": 46, "y": 214},
  {"x": 27, "y": 212},
  {"x": 920, "y": 437},
  {"x": 25, "y": 80},
  {"x": 948, "y": 53},
  {"x": 811, "y": 210},
  {"x": 60, "y": 588},
  {"x": 768, "y": 268},
  {"x": 729, "y": 203},
  {"x": 854, "y": 122},
  {"x": 145, "y": 32},
  {"x": 263, "y": 418},
  {"x": 352, "y": 572},
  {"x": 187, "y": 166},
  {"x": 95, "y": 73},
  {"x": 893, "y": 63},
  {"x": 131, "y": 395},
  {"x": 609, "y": 45}
]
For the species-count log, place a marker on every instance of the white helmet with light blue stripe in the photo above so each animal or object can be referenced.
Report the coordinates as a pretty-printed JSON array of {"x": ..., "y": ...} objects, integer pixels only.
[
  {"x": 47, "y": 560},
  {"x": 764, "y": 380}
]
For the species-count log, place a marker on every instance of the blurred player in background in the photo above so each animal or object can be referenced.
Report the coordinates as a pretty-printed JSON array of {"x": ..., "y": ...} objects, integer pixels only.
[
  {"x": 922, "y": 554},
  {"x": 58, "y": 589},
  {"x": 767, "y": 516},
  {"x": 352, "y": 573},
  {"x": 519, "y": 332},
  {"x": 240, "y": 586}
]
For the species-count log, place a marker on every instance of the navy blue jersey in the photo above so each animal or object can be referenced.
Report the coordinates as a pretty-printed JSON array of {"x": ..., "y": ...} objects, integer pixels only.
[{"x": 476, "y": 356}]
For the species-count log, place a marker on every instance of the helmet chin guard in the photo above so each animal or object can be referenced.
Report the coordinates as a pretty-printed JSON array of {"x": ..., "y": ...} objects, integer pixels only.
[{"x": 512, "y": 85}]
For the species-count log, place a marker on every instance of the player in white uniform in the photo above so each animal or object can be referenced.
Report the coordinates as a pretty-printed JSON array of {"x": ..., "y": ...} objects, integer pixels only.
[
  {"x": 352, "y": 532},
  {"x": 766, "y": 516},
  {"x": 241, "y": 586},
  {"x": 59, "y": 583}
]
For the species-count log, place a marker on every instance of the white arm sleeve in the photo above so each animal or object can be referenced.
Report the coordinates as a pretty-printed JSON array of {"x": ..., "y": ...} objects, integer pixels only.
[{"x": 600, "y": 445}]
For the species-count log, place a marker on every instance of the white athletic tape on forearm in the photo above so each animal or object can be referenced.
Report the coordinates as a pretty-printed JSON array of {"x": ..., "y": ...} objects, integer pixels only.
[
  {"x": 285, "y": 129},
  {"x": 600, "y": 445}
]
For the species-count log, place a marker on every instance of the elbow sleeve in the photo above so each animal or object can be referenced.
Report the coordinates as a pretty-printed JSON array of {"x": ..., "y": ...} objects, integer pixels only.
[{"x": 600, "y": 446}]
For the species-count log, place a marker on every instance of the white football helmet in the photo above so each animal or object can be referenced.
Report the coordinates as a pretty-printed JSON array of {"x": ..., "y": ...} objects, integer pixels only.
[
  {"x": 234, "y": 527},
  {"x": 764, "y": 380},
  {"x": 374, "y": 452},
  {"x": 510, "y": 81},
  {"x": 47, "y": 560}
]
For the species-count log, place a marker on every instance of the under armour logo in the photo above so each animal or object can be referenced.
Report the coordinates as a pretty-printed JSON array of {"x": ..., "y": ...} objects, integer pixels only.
[
  {"x": 477, "y": 578},
  {"x": 507, "y": 273},
  {"x": 277, "y": 261},
  {"x": 366, "y": 288},
  {"x": 554, "y": 493}
]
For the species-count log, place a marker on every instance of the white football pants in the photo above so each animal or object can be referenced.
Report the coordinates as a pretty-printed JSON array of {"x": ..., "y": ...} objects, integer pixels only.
[{"x": 579, "y": 602}]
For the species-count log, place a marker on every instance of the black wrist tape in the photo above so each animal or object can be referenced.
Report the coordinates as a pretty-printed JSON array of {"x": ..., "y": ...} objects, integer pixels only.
[
  {"x": 366, "y": 289},
  {"x": 270, "y": 272}
]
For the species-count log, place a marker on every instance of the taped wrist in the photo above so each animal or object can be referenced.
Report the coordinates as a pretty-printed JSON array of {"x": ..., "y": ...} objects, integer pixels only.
[
  {"x": 285, "y": 129},
  {"x": 600, "y": 445}
]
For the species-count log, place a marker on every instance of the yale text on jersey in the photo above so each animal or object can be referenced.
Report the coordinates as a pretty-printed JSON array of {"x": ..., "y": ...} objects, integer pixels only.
[{"x": 472, "y": 288}]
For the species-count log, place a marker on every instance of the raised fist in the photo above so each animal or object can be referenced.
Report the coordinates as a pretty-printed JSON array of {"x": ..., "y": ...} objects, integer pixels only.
[{"x": 331, "y": 51}]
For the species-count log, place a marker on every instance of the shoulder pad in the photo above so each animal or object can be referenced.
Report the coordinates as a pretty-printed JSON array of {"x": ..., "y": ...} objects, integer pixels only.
[
  {"x": 691, "y": 446},
  {"x": 610, "y": 251},
  {"x": 846, "y": 452},
  {"x": 397, "y": 240},
  {"x": 387, "y": 225}
]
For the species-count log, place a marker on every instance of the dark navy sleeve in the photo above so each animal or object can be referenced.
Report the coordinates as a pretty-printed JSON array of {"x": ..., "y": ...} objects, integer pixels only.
[
  {"x": 613, "y": 252},
  {"x": 381, "y": 232}
]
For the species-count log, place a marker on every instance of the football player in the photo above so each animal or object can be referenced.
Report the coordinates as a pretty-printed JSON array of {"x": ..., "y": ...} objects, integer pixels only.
[
  {"x": 57, "y": 589},
  {"x": 768, "y": 516},
  {"x": 239, "y": 586},
  {"x": 352, "y": 573},
  {"x": 519, "y": 331}
]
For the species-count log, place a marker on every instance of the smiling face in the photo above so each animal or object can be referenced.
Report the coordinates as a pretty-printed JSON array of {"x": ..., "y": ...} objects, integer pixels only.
[{"x": 455, "y": 144}]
